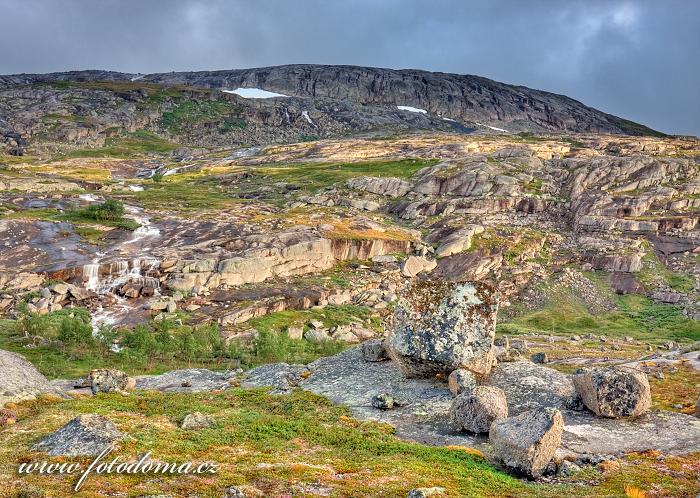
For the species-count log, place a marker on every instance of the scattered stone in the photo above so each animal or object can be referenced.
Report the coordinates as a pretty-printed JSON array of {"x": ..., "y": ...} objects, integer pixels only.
[
  {"x": 374, "y": 350},
  {"x": 234, "y": 492},
  {"x": 527, "y": 442},
  {"x": 295, "y": 332},
  {"x": 567, "y": 468},
  {"x": 441, "y": 326},
  {"x": 196, "y": 421},
  {"x": 426, "y": 492},
  {"x": 85, "y": 435},
  {"x": 384, "y": 401},
  {"x": 461, "y": 381},
  {"x": 316, "y": 324},
  {"x": 519, "y": 345},
  {"x": 476, "y": 410},
  {"x": 614, "y": 392},
  {"x": 540, "y": 358},
  {"x": 107, "y": 380},
  {"x": 317, "y": 335},
  {"x": 413, "y": 265},
  {"x": 7, "y": 417}
]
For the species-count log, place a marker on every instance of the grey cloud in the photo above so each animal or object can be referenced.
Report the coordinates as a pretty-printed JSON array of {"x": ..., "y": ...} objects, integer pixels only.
[{"x": 636, "y": 59}]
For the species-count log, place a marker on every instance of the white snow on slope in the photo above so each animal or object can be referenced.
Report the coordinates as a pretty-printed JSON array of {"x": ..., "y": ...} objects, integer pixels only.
[
  {"x": 136, "y": 78},
  {"x": 411, "y": 109},
  {"x": 492, "y": 127},
  {"x": 254, "y": 93}
]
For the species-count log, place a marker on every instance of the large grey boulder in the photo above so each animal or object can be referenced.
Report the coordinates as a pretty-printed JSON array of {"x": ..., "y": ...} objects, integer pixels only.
[
  {"x": 19, "y": 379},
  {"x": 85, "y": 435},
  {"x": 614, "y": 392},
  {"x": 441, "y": 326},
  {"x": 527, "y": 442},
  {"x": 475, "y": 410}
]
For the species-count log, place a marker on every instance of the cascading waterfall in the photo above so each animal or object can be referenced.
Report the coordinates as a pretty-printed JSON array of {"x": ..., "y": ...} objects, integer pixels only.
[{"x": 103, "y": 279}]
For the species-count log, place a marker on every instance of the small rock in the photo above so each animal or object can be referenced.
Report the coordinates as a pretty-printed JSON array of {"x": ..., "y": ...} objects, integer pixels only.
[
  {"x": 460, "y": 381},
  {"x": 107, "y": 380},
  {"x": 384, "y": 401},
  {"x": 476, "y": 410},
  {"x": 373, "y": 350},
  {"x": 527, "y": 442},
  {"x": 413, "y": 265},
  {"x": 85, "y": 435},
  {"x": 614, "y": 392},
  {"x": 567, "y": 468},
  {"x": 196, "y": 421},
  {"x": 295, "y": 332},
  {"x": 234, "y": 492},
  {"x": 426, "y": 492},
  {"x": 519, "y": 345},
  {"x": 317, "y": 335},
  {"x": 316, "y": 324},
  {"x": 540, "y": 358},
  {"x": 171, "y": 307}
]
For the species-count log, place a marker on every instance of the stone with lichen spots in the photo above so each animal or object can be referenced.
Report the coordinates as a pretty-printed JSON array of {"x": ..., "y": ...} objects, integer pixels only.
[
  {"x": 614, "y": 392},
  {"x": 441, "y": 326}
]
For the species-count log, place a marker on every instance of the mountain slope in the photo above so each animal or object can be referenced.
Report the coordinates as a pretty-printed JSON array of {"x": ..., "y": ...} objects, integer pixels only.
[{"x": 472, "y": 100}]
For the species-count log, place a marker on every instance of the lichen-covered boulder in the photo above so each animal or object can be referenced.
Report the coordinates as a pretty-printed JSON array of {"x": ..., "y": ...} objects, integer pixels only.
[
  {"x": 614, "y": 392},
  {"x": 526, "y": 443},
  {"x": 441, "y": 326},
  {"x": 196, "y": 421},
  {"x": 85, "y": 435},
  {"x": 109, "y": 380},
  {"x": 461, "y": 380},
  {"x": 475, "y": 410}
]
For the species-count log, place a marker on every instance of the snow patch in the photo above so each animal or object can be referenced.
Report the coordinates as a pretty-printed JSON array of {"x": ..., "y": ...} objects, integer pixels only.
[
  {"x": 136, "y": 188},
  {"x": 136, "y": 78},
  {"x": 411, "y": 109},
  {"x": 254, "y": 93},
  {"x": 492, "y": 127}
]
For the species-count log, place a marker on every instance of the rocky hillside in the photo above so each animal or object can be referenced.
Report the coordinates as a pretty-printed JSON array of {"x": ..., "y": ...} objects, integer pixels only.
[{"x": 88, "y": 107}]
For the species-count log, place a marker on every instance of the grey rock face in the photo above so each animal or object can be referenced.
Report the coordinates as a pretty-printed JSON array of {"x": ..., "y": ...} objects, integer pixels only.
[
  {"x": 527, "y": 442},
  {"x": 440, "y": 326},
  {"x": 196, "y": 421},
  {"x": 460, "y": 381},
  {"x": 614, "y": 392},
  {"x": 19, "y": 379},
  {"x": 540, "y": 358},
  {"x": 186, "y": 380},
  {"x": 106, "y": 380},
  {"x": 86, "y": 435},
  {"x": 476, "y": 410},
  {"x": 374, "y": 350},
  {"x": 392, "y": 187}
]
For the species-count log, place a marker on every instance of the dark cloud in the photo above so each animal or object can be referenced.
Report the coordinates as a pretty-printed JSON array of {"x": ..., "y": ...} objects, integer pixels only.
[{"x": 636, "y": 59}]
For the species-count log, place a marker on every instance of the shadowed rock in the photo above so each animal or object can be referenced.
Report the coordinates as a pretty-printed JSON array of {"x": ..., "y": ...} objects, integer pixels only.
[{"x": 476, "y": 410}]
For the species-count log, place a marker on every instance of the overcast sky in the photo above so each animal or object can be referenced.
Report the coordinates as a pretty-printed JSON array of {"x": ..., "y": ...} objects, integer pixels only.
[{"x": 636, "y": 59}]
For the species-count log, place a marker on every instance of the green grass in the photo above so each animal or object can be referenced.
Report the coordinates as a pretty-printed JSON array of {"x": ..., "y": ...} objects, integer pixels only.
[
  {"x": 654, "y": 271},
  {"x": 314, "y": 176},
  {"x": 126, "y": 146},
  {"x": 192, "y": 112},
  {"x": 276, "y": 442},
  {"x": 635, "y": 316}
]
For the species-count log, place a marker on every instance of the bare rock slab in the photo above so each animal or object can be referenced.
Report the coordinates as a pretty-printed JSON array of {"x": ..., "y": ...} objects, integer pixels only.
[
  {"x": 441, "y": 326},
  {"x": 186, "y": 380},
  {"x": 527, "y": 442},
  {"x": 19, "y": 379},
  {"x": 85, "y": 435}
]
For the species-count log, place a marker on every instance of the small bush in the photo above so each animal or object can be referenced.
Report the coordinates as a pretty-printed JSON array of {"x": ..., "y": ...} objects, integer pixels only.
[{"x": 75, "y": 331}]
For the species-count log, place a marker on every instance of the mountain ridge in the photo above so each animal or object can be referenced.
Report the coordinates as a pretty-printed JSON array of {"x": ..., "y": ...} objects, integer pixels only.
[{"x": 467, "y": 98}]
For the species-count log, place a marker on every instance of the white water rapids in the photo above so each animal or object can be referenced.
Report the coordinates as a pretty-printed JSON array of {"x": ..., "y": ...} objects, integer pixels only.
[{"x": 104, "y": 278}]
